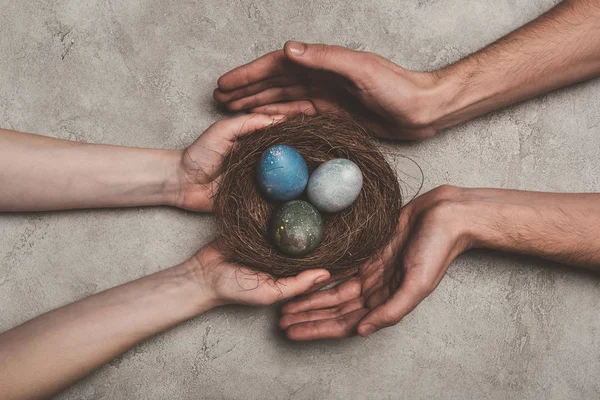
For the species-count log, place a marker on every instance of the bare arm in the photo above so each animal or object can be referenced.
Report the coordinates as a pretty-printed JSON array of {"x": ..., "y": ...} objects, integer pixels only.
[
  {"x": 39, "y": 173},
  {"x": 42, "y": 173},
  {"x": 563, "y": 227},
  {"x": 49, "y": 353},
  {"x": 559, "y": 48}
]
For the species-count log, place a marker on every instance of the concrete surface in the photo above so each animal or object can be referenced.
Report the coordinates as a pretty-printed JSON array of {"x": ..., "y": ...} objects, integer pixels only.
[{"x": 141, "y": 73}]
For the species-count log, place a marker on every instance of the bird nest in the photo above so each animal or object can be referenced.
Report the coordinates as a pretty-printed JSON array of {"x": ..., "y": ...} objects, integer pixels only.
[{"x": 350, "y": 238}]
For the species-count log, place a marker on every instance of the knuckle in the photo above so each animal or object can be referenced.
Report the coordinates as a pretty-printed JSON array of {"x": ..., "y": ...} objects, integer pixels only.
[
  {"x": 337, "y": 311},
  {"x": 354, "y": 289},
  {"x": 344, "y": 328},
  {"x": 285, "y": 321},
  {"x": 289, "y": 92},
  {"x": 322, "y": 50},
  {"x": 446, "y": 191},
  {"x": 390, "y": 317},
  {"x": 338, "y": 291},
  {"x": 371, "y": 57},
  {"x": 370, "y": 67},
  {"x": 280, "y": 92}
]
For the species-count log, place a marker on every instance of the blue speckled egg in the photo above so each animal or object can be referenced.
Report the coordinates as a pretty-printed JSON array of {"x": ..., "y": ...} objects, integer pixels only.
[
  {"x": 335, "y": 185},
  {"x": 282, "y": 173}
]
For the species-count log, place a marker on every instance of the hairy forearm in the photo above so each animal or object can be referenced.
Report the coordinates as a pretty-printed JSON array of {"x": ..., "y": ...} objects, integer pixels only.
[
  {"x": 39, "y": 173},
  {"x": 52, "y": 351},
  {"x": 557, "y": 226},
  {"x": 559, "y": 48}
]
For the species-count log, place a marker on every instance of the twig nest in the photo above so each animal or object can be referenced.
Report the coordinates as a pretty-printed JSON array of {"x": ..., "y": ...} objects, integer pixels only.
[{"x": 351, "y": 237}]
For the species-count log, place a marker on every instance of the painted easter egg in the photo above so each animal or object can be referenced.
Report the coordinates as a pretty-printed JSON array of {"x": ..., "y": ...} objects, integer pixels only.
[
  {"x": 296, "y": 228},
  {"x": 334, "y": 185},
  {"x": 282, "y": 173}
]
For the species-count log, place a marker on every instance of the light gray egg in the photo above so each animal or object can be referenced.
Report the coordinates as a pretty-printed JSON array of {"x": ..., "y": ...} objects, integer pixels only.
[{"x": 334, "y": 185}]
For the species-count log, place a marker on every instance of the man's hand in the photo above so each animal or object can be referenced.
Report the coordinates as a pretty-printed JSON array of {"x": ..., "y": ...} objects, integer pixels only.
[
  {"x": 552, "y": 51},
  {"x": 199, "y": 166},
  {"x": 429, "y": 238},
  {"x": 310, "y": 78},
  {"x": 433, "y": 230}
]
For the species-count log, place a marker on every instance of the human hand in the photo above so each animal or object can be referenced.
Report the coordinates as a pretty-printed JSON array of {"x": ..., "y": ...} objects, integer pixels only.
[
  {"x": 199, "y": 166},
  {"x": 227, "y": 283},
  {"x": 430, "y": 237},
  {"x": 310, "y": 78}
]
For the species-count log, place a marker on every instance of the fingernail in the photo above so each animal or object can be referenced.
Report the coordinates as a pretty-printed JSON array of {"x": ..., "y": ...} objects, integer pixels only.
[
  {"x": 296, "y": 48},
  {"x": 321, "y": 279},
  {"x": 366, "y": 330}
]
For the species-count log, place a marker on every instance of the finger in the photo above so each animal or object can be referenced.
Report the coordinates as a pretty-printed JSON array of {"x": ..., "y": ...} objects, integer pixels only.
[
  {"x": 321, "y": 285},
  {"x": 327, "y": 313},
  {"x": 269, "y": 96},
  {"x": 406, "y": 298},
  {"x": 292, "y": 286},
  {"x": 335, "y": 328},
  {"x": 230, "y": 129},
  {"x": 292, "y": 108},
  {"x": 257, "y": 87},
  {"x": 328, "y": 298},
  {"x": 269, "y": 65},
  {"x": 340, "y": 60}
]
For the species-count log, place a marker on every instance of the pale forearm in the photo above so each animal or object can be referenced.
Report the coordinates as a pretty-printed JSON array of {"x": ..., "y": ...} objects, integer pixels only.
[
  {"x": 52, "y": 351},
  {"x": 559, "y": 48},
  {"x": 557, "y": 226},
  {"x": 39, "y": 173}
]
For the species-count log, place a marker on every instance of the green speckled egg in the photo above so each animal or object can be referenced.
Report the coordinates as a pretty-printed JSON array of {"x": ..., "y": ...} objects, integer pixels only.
[{"x": 296, "y": 228}]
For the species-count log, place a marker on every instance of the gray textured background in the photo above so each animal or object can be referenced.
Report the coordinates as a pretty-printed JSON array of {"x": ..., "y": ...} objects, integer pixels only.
[{"x": 141, "y": 73}]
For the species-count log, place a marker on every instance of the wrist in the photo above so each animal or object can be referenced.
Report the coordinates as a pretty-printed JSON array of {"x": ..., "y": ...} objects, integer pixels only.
[
  {"x": 444, "y": 98},
  {"x": 491, "y": 218},
  {"x": 463, "y": 91},
  {"x": 201, "y": 297},
  {"x": 434, "y": 101},
  {"x": 173, "y": 182}
]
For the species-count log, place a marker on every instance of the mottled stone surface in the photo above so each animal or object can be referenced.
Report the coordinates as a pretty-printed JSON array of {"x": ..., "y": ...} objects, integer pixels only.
[
  {"x": 296, "y": 228},
  {"x": 141, "y": 73},
  {"x": 334, "y": 185},
  {"x": 282, "y": 173}
]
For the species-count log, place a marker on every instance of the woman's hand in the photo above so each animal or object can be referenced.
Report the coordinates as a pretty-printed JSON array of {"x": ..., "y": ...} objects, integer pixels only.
[
  {"x": 227, "y": 283},
  {"x": 309, "y": 78},
  {"x": 46, "y": 354},
  {"x": 74, "y": 175},
  {"x": 199, "y": 166}
]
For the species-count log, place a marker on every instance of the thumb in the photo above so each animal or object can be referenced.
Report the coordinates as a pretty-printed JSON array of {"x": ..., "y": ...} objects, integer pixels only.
[
  {"x": 394, "y": 310},
  {"x": 241, "y": 125},
  {"x": 295, "y": 285},
  {"x": 342, "y": 61}
]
